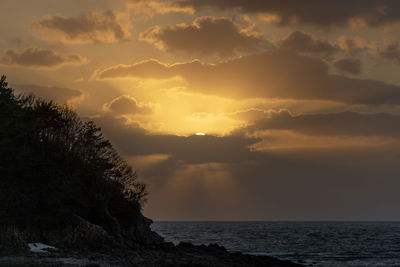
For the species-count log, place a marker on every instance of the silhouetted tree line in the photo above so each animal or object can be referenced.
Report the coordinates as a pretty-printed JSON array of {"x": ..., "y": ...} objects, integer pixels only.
[{"x": 53, "y": 165}]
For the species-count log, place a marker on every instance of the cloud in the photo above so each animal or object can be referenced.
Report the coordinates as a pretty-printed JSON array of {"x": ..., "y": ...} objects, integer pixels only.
[
  {"x": 307, "y": 43},
  {"x": 57, "y": 94},
  {"x": 390, "y": 52},
  {"x": 39, "y": 58},
  {"x": 132, "y": 140},
  {"x": 291, "y": 185},
  {"x": 316, "y": 12},
  {"x": 353, "y": 44},
  {"x": 152, "y": 7},
  {"x": 205, "y": 36},
  {"x": 333, "y": 124},
  {"x": 89, "y": 27},
  {"x": 128, "y": 105},
  {"x": 146, "y": 69},
  {"x": 278, "y": 74},
  {"x": 249, "y": 115},
  {"x": 218, "y": 178},
  {"x": 349, "y": 65},
  {"x": 224, "y": 174}
]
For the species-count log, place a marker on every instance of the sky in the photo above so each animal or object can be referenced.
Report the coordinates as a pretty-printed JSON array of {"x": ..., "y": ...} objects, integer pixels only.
[{"x": 228, "y": 110}]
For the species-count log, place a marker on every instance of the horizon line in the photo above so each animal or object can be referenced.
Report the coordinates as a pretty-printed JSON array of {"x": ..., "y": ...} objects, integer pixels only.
[{"x": 384, "y": 221}]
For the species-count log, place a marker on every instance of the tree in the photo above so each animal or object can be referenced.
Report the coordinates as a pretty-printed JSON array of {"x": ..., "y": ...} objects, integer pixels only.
[{"x": 53, "y": 165}]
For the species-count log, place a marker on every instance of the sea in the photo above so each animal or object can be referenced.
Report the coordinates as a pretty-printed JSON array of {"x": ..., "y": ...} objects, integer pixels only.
[{"x": 309, "y": 243}]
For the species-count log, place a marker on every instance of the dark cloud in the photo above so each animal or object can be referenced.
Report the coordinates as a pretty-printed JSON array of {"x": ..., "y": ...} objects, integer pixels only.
[
  {"x": 302, "y": 185},
  {"x": 280, "y": 74},
  {"x": 152, "y": 7},
  {"x": 349, "y": 65},
  {"x": 318, "y": 184},
  {"x": 390, "y": 53},
  {"x": 315, "y": 12},
  {"x": 307, "y": 43},
  {"x": 93, "y": 26},
  {"x": 133, "y": 140},
  {"x": 314, "y": 184},
  {"x": 57, "y": 94},
  {"x": 307, "y": 184},
  {"x": 353, "y": 44},
  {"x": 39, "y": 58},
  {"x": 206, "y": 36},
  {"x": 334, "y": 124},
  {"x": 128, "y": 105},
  {"x": 219, "y": 178}
]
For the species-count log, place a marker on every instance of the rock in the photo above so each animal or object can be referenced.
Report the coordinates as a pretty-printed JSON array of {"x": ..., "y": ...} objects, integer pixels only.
[
  {"x": 12, "y": 240},
  {"x": 142, "y": 234},
  {"x": 78, "y": 234},
  {"x": 41, "y": 248}
]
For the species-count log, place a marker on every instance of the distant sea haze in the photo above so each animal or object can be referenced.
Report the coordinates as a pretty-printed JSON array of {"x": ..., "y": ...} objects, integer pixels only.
[{"x": 316, "y": 243}]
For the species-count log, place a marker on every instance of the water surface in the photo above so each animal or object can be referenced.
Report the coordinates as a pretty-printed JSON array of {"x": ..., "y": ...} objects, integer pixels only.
[{"x": 317, "y": 243}]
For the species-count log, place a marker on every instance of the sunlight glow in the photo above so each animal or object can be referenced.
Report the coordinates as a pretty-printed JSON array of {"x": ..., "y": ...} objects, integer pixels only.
[{"x": 202, "y": 134}]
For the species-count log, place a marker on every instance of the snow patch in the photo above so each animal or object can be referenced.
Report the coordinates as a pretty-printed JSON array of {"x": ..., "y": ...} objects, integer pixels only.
[{"x": 40, "y": 247}]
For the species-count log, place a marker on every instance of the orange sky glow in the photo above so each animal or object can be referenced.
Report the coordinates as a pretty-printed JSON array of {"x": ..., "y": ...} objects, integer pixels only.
[{"x": 228, "y": 110}]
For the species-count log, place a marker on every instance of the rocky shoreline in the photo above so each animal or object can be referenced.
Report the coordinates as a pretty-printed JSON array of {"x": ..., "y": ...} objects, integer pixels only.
[
  {"x": 167, "y": 254},
  {"x": 90, "y": 246},
  {"x": 83, "y": 243}
]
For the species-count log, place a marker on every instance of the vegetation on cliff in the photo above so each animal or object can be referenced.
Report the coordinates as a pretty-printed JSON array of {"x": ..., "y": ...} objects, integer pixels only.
[{"x": 56, "y": 168}]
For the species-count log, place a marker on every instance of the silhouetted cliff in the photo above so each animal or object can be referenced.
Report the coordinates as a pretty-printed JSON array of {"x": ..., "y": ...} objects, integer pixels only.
[{"x": 58, "y": 171}]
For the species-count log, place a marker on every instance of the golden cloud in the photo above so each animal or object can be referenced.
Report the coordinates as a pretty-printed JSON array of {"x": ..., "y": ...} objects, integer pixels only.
[{"x": 279, "y": 74}]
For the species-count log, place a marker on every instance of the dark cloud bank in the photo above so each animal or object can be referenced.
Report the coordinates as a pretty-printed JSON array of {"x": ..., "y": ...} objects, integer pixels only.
[
  {"x": 206, "y": 36},
  {"x": 322, "y": 184},
  {"x": 34, "y": 57},
  {"x": 58, "y": 94},
  {"x": 334, "y": 124},
  {"x": 91, "y": 26},
  {"x": 314, "y": 12},
  {"x": 277, "y": 73},
  {"x": 128, "y": 105}
]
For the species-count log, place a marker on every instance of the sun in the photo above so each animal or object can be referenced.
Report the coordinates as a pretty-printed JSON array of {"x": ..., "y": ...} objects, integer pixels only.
[{"x": 200, "y": 134}]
